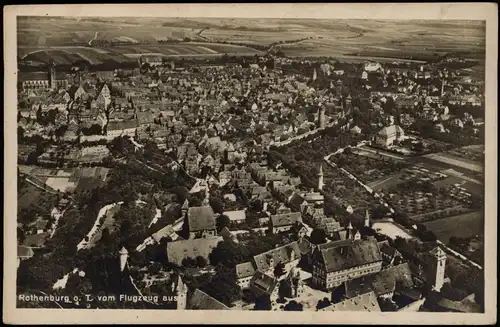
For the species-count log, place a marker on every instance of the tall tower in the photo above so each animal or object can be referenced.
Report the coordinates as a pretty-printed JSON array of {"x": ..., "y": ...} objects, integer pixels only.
[
  {"x": 321, "y": 117},
  {"x": 315, "y": 75},
  {"x": 320, "y": 178},
  {"x": 185, "y": 208},
  {"x": 52, "y": 75},
  {"x": 123, "y": 258},
  {"x": 181, "y": 291},
  {"x": 349, "y": 231},
  {"x": 436, "y": 267},
  {"x": 367, "y": 219}
]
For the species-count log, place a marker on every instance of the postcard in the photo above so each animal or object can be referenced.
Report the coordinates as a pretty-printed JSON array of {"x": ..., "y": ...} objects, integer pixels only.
[{"x": 316, "y": 163}]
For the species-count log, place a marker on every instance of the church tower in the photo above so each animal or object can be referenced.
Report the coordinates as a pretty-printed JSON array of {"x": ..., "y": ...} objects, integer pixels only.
[
  {"x": 181, "y": 292},
  {"x": 435, "y": 268},
  {"x": 52, "y": 75},
  {"x": 123, "y": 258},
  {"x": 320, "y": 178},
  {"x": 349, "y": 231},
  {"x": 315, "y": 75}
]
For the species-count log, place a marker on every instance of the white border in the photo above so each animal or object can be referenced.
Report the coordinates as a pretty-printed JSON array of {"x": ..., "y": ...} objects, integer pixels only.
[{"x": 462, "y": 11}]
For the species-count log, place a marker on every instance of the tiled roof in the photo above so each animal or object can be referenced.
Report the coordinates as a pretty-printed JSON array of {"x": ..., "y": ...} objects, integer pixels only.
[
  {"x": 366, "y": 302},
  {"x": 237, "y": 215},
  {"x": 262, "y": 284},
  {"x": 245, "y": 269},
  {"x": 286, "y": 219},
  {"x": 201, "y": 218},
  {"x": 24, "y": 251},
  {"x": 283, "y": 254},
  {"x": 179, "y": 250},
  {"x": 164, "y": 232},
  {"x": 382, "y": 282},
  {"x": 348, "y": 254},
  {"x": 202, "y": 301}
]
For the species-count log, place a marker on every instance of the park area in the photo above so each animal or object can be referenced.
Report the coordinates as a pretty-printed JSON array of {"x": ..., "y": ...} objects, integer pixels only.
[{"x": 368, "y": 167}]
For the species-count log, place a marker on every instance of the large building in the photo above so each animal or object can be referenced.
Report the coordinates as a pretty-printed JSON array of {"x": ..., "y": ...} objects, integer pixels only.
[
  {"x": 43, "y": 80},
  {"x": 340, "y": 261},
  {"x": 389, "y": 134}
]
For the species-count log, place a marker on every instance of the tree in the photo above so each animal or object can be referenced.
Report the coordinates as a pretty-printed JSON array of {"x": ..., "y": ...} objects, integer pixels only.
[
  {"x": 263, "y": 303},
  {"x": 318, "y": 236},
  {"x": 217, "y": 204},
  {"x": 223, "y": 286},
  {"x": 222, "y": 221},
  {"x": 293, "y": 306},
  {"x": 279, "y": 270},
  {"x": 323, "y": 303},
  {"x": 201, "y": 261}
]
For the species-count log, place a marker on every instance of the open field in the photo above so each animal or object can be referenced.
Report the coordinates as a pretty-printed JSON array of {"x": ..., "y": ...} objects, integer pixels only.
[
  {"x": 349, "y": 40},
  {"x": 67, "y": 55},
  {"x": 464, "y": 225},
  {"x": 457, "y": 162}
]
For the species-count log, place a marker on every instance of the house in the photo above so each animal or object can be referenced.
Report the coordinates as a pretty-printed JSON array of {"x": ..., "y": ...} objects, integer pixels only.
[
  {"x": 383, "y": 284},
  {"x": 387, "y": 135},
  {"x": 118, "y": 128},
  {"x": 263, "y": 284},
  {"x": 23, "y": 253},
  {"x": 179, "y": 250},
  {"x": 288, "y": 255},
  {"x": 389, "y": 254},
  {"x": 201, "y": 221},
  {"x": 337, "y": 262},
  {"x": 244, "y": 273},
  {"x": 200, "y": 300},
  {"x": 366, "y": 302},
  {"x": 285, "y": 222},
  {"x": 236, "y": 217}
]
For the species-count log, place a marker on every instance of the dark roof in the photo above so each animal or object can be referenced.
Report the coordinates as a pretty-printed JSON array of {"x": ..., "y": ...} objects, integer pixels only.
[
  {"x": 304, "y": 246},
  {"x": 262, "y": 284},
  {"x": 381, "y": 283},
  {"x": 350, "y": 253},
  {"x": 282, "y": 254},
  {"x": 201, "y": 218},
  {"x": 24, "y": 251},
  {"x": 365, "y": 302},
  {"x": 202, "y": 301}
]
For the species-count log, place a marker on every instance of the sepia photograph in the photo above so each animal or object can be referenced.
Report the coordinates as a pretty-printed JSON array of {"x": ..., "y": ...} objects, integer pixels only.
[{"x": 179, "y": 162}]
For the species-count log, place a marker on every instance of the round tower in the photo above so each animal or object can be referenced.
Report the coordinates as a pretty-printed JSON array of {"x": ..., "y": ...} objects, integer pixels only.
[
  {"x": 320, "y": 178},
  {"x": 367, "y": 219}
]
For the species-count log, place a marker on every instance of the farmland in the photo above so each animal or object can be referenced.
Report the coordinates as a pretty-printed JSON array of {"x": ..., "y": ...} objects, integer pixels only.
[
  {"x": 67, "y": 55},
  {"x": 69, "y": 179},
  {"x": 348, "y": 40},
  {"x": 464, "y": 225}
]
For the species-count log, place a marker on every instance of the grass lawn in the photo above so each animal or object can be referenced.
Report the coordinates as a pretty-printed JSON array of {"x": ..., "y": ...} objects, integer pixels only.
[{"x": 464, "y": 225}]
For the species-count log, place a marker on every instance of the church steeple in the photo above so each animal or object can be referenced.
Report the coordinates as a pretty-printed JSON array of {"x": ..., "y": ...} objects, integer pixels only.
[
  {"x": 320, "y": 178},
  {"x": 367, "y": 219}
]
